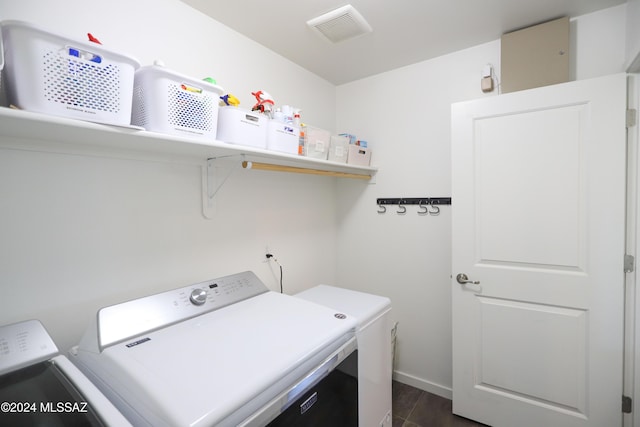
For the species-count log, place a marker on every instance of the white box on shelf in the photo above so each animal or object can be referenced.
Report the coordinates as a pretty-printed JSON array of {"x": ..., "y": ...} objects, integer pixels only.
[
  {"x": 167, "y": 102},
  {"x": 338, "y": 148},
  {"x": 358, "y": 155},
  {"x": 52, "y": 74},
  {"x": 282, "y": 137},
  {"x": 316, "y": 142},
  {"x": 242, "y": 127}
]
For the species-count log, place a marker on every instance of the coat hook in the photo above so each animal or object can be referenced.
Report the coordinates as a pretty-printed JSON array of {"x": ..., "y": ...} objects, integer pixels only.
[
  {"x": 424, "y": 210},
  {"x": 436, "y": 209},
  {"x": 381, "y": 207},
  {"x": 402, "y": 209}
]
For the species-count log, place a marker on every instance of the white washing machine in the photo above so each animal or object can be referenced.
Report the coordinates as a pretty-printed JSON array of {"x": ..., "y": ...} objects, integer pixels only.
[
  {"x": 374, "y": 347},
  {"x": 226, "y": 352},
  {"x": 39, "y": 387}
]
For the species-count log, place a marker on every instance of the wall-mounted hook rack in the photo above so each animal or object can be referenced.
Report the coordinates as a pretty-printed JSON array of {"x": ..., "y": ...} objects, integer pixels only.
[
  {"x": 428, "y": 205},
  {"x": 414, "y": 201}
]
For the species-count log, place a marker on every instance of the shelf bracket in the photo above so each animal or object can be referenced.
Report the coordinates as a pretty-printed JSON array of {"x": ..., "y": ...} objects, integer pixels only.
[{"x": 215, "y": 173}]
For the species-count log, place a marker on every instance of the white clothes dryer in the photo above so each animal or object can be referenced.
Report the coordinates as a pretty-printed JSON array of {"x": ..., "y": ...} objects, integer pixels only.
[{"x": 373, "y": 334}]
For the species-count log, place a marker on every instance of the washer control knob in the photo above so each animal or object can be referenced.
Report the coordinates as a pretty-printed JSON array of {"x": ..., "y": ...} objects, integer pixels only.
[{"x": 198, "y": 296}]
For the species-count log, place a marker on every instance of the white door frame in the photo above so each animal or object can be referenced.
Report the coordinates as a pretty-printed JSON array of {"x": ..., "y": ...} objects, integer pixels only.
[{"x": 632, "y": 297}]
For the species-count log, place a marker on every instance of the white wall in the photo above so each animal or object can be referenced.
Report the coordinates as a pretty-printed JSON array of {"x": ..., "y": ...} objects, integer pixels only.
[
  {"x": 632, "y": 54},
  {"x": 80, "y": 232},
  {"x": 405, "y": 115}
]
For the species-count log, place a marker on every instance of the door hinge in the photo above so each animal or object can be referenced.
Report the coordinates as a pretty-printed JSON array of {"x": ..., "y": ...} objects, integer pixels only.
[
  {"x": 632, "y": 117},
  {"x": 629, "y": 263},
  {"x": 627, "y": 404}
]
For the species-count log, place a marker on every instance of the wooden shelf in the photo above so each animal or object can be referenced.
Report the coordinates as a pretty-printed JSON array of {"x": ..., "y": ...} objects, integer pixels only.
[{"x": 25, "y": 130}]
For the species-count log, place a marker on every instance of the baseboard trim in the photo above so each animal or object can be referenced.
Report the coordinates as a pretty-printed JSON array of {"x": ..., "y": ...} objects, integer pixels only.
[{"x": 422, "y": 384}]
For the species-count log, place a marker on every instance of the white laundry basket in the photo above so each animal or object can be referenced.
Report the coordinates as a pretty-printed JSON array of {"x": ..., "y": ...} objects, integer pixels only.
[
  {"x": 48, "y": 73},
  {"x": 167, "y": 102}
]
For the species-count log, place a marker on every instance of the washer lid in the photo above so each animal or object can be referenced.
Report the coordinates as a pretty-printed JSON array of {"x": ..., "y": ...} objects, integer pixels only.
[
  {"x": 48, "y": 388},
  {"x": 46, "y": 397},
  {"x": 204, "y": 370}
]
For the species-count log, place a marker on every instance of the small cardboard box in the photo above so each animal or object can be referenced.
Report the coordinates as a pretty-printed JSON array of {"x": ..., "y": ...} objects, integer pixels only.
[
  {"x": 358, "y": 155},
  {"x": 282, "y": 137},
  {"x": 243, "y": 127},
  {"x": 338, "y": 148}
]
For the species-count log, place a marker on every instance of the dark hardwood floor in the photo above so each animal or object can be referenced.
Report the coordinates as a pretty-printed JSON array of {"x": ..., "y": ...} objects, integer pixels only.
[{"x": 416, "y": 408}]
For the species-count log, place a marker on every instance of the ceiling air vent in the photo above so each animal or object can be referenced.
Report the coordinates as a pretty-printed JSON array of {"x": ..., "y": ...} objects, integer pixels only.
[{"x": 340, "y": 24}]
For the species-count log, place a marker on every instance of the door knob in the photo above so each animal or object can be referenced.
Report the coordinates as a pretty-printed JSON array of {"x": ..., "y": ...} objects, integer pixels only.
[{"x": 463, "y": 280}]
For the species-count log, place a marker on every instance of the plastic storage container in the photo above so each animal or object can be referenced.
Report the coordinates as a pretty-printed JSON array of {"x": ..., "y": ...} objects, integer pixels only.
[
  {"x": 167, "y": 102},
  {"x": 282, "y": 137},
  {"x": 316, "y": 142},
  {"x": 358, "y": 155},
  {"x": 338, "y": 148},
  {"x": 48, "y": 73},
  {"x": 243, "y": 127}
]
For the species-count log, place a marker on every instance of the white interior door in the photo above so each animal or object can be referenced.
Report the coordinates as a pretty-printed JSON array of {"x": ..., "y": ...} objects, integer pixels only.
[{"x": 539, "y": 221}]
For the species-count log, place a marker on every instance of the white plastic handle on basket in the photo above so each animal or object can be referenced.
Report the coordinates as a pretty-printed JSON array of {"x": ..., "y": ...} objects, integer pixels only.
[{"x": 83, "y": 54}]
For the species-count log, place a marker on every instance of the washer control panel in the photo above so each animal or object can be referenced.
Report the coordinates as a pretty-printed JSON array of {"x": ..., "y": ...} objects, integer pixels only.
[
  {"x": 23, "y": 344},
  {"x": 132, "y": 318}
]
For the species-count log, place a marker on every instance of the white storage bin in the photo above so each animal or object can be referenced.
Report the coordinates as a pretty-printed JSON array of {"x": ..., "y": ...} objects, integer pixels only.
[
  {"x": 167, "y": 102},
  {"x": 316, "y": 142},
  {"x": 338, "y": 148},
  {"x": 358, "y": 155},
  {"x": 282, "y": 137},
  {"x": 243, "y": 127},
  {"x": 47, "y": 73}
]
